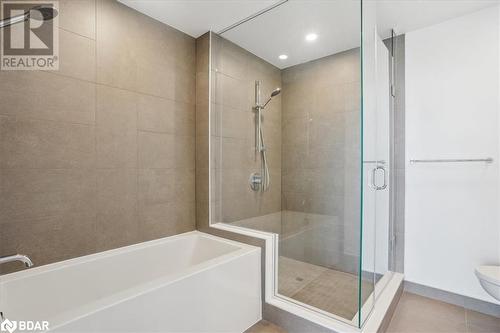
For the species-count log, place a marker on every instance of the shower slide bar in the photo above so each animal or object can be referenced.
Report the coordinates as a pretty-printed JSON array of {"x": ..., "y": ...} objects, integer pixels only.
[{"x": 459, "y": 160}]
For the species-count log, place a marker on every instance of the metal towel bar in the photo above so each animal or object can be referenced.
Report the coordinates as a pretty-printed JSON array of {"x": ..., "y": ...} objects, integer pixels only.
[
  {"x": 485, "y": 160},
  {"x": 374, "y": 162}
]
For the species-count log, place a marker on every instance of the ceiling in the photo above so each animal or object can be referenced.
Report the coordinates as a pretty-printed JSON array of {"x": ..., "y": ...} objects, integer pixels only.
[
  {"x": 282, "y": 30},
  {"x": 195, "y": 17},
  {"x": 409, "y": 15}
]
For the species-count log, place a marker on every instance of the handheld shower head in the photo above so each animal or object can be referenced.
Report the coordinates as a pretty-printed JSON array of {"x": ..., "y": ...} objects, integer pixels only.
[{"x": 275, "y": 93}]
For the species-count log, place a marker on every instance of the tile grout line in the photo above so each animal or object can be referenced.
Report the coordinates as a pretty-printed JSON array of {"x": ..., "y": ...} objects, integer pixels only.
[
  {"x": 75, "y": 33},
  {"x": 89, "y": 124},
  {"x": 96, "y": 82}
]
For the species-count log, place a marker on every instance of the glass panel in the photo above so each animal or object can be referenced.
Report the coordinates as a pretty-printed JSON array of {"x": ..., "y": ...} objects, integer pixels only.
[
  {"x": 369, "y": 162},
  {"x": 377, "y": 100},
  {"x": 289, "y": 161},
  {"x": 384, "y": 166}
]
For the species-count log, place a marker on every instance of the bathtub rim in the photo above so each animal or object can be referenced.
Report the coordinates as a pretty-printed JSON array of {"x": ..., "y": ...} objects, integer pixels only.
[
  {"x": 10, "y": 277},
  {"x": 114, "y": 299}
]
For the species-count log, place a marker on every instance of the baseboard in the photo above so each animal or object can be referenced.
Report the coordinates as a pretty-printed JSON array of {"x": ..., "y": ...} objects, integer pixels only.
[{"x": 452, "y": 298}]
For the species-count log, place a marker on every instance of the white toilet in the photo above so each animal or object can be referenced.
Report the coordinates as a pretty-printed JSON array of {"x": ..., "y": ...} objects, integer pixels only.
[{"x": 489, "y": 277}]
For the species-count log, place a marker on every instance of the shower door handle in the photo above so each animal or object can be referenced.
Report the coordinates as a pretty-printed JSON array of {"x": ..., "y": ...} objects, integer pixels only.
[{"x": 374, "y": 173}]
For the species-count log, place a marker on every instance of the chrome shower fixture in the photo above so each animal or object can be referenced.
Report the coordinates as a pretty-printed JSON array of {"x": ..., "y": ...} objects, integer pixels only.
[
  {"x": 39, "y": 13},
  {"x": 261, "y": 181},
  {"x": 17, "y": 257},
  {"x": 275, "y": 92}
]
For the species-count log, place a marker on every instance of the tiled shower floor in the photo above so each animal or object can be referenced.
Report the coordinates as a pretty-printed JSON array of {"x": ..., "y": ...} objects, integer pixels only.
[
  {"x": 330, "y": 290},
  {"x": 326, "y": 289}
]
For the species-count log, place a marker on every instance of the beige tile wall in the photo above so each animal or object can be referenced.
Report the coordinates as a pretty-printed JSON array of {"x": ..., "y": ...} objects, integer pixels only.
[
  {"x": 321, "y": 156},
  {"x": 202, "y": 131},
  {"x": 101, "y": 153},
  {"x": 312, "y": 133},
  {"x": 234, "y": 73}
]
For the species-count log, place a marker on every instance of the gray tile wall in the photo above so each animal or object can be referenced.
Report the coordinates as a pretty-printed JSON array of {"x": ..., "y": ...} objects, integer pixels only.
[
  {"x": 234, "y": 73},
  {"x": 398, "y": 154},
  {"x": 202, "y": 132},
  {"x": 101, "y": 153},
  {"x": 321, "y": 155}
]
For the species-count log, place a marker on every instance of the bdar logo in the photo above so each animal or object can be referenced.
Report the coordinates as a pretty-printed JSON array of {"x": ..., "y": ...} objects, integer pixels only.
[
  {"x": 8, "y": 326},
  {"x": 23, "y": 325}
]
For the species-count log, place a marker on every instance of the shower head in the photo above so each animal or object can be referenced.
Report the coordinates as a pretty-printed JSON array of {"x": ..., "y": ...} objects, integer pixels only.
[
  {"x": 39, "y": 13},
  {"x": 275, "y": 93}
]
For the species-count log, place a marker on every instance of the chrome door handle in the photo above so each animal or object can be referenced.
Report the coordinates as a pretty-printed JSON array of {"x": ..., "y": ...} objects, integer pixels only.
[{"x": 374, "y": 172}]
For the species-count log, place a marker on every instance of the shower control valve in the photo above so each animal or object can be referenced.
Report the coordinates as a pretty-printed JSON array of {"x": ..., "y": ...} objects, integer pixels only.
[{"x": 255, "y": 181}]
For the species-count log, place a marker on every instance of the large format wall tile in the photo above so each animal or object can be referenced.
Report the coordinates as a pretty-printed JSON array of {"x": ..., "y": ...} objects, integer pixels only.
[
  {"x": 178, "y": 151},
  {"x": 232, "y": 132},
  {"x": 28, "y": 143},
  {"x": 101, "y": 153},
  {"x": 202, "y": 185},
  {"x": 165, "y": 185},
  {"x": 48, "y": 239},
  {"x": 78, "y": 16},
  {"x": 116, "y": 127},
  {"x": 29, "y": 194},
  {"x": 143, "y": 55},
  {"x": 117, "y": 222},
  {"x": 156, "y": 221},
  {"x": 321, "y": 145},
  {"x": 165, "y": 116},
  {"x": 76, "y": 56},
  {"x": 44, "y": 95},
  {"x": 116, "y": 43}
]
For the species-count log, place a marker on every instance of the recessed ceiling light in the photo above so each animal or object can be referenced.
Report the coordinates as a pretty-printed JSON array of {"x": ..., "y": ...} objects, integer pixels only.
[
  {"x": 311, "y": 37},
  {"x": 283, "y": 57}
]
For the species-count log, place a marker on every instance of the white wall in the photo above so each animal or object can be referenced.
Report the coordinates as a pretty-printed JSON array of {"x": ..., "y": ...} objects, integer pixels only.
[{"x": 452, "y": 97}]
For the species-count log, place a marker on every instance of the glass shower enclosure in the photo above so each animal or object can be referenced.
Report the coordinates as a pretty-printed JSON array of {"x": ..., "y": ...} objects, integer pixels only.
[{"x": 300, "y": 147}]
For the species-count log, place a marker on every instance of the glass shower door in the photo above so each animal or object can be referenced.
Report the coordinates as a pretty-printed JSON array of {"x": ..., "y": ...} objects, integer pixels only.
[
  {"x": 304, "y": 142},
  {"x": 375, "y": 230}
]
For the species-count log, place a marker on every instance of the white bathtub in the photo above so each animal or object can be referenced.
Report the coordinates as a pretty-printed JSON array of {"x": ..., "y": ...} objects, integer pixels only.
[{"x": 191, "y": 282}]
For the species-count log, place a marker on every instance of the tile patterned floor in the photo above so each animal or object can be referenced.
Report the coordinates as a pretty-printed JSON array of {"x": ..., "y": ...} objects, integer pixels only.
[
  {"x": 326, "y": 289},
  {"x": 264, "y": 326},
  {"x": 417, "y": 314},
  {"x": 293, "y": 275}
]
